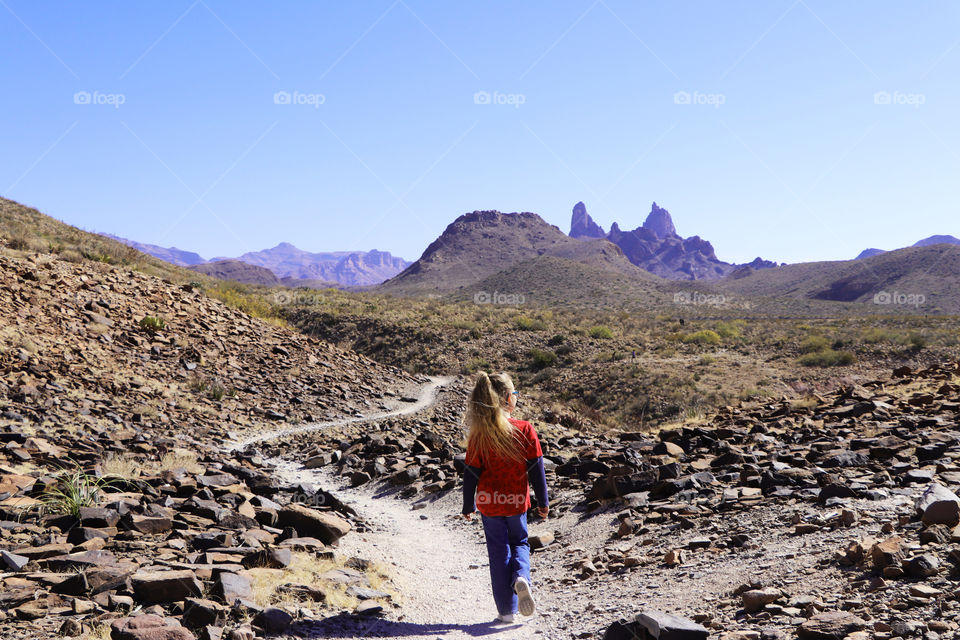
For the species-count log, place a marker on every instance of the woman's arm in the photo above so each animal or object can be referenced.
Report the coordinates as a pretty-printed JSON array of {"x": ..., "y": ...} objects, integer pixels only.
[
  {"x": 471, "y": 476},
  {"x": 537, "y": 476}
]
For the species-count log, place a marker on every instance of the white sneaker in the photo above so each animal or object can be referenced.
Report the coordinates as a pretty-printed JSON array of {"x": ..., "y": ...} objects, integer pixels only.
[
  {"x": 506, "y": 618},
  {"x": 524, "y": 596}
]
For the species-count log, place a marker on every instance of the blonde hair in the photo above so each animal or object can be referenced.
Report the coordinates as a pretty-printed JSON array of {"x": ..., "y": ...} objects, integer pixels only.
[{"x": 489, "y": 429}]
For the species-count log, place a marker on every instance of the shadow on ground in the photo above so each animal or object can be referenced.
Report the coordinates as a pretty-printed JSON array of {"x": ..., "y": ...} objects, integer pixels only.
[{"x": 350, "y": 626}]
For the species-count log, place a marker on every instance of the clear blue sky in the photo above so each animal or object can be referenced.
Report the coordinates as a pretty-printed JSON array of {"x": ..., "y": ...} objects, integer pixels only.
[{"x": 799, "y": 162}]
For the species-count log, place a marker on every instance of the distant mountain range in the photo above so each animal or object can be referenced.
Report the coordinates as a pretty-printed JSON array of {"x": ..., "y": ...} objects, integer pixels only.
[
  {"x": 657, "y": 247},
  {"x": 489, "y": 255},
  {"x": 287, "y": 264},
  {"x": 926, "y": 242}
]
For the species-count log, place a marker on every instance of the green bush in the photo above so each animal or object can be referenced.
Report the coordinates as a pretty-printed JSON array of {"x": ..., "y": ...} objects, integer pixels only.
[
  {"x": 74, "y": 489},
  {"x": 525, "y": 323},
  {"x": 152, "y": 324},
  {"x": 704, "y": 336},
  {"x": 730, "y": 330},
  {"x": 541, "y": 359},
  {"x": 828, "y": 358},
  {"x": 814, "y": 344},
  {"x": 917, "y": 342},
  {"x": 600, "y": 332}
]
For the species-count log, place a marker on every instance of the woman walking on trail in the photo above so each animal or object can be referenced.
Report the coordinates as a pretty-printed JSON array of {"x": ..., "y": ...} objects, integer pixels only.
[{"x": 503, "y": 459}]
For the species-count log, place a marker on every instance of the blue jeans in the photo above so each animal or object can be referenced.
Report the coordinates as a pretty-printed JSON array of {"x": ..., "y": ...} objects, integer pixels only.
[{"x": 509, "y": 554}]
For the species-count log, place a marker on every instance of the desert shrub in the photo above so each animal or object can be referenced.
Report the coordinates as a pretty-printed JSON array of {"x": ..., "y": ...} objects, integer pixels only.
[
  {"x": 600, "y": 332},
  {"x": 564, "y": 350},
  {"x": 541, "y": 359},
  {"x": 704, "y": 336},
  {"x": 217, "y": 390},
  {"x": 707, "y": 359},
  {"x": 730, "y": 330},
  {"x": 152, "y": 324},
  {"x": 240, "y": 297},
  {"x": 476, "y": 364},
  {"x": 74, "y": 489},
  {"x": 557, "y": 339},
  {"x": 876, "y": 335},
  {"x": 814, "y": 344},
  {"x": 544, "y": 375},
  {"x": 827, "y": 358},
  {"x": 526, "y": 323},
  {"x": 917, "y": 342}
]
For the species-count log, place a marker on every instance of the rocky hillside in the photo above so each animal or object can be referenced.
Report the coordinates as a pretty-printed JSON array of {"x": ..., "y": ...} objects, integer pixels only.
[
  {"x": 98, "y": 345},
  {"x": 118, "y": 391},
  {"x": 483, "y": 243},
  {"x": 172, "y": 255},
  {"x": 657, "y": 247}
]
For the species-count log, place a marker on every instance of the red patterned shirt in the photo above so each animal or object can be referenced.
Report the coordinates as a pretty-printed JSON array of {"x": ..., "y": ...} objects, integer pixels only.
[{"x": 503, "y": 489}]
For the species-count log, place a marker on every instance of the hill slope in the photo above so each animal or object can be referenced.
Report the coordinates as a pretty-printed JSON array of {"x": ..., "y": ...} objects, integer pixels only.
[
  {"x": 238, "y": 272},
  {"x": 478, "y": 245},
  {"x": 917, "y": 279}
]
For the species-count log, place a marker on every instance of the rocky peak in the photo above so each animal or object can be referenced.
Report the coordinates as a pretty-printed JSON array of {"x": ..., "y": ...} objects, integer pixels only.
[
  {"x": 582, "y": 225},
  {"x": 660, "y": 222}
]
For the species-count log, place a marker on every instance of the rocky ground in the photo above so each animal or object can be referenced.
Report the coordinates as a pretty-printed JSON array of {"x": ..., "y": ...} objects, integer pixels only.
[
  {"x": 75, "y": 350},
  {"x": 221, "y": 477},
  {"x": 768, "y": 520},
  {"x": 116, "y": 496}
]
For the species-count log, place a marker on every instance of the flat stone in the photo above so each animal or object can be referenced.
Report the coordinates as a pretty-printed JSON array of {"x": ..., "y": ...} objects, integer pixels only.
[
  {"x": 44, "y": 551},
  {"x": 325, "y": 526},
  {"x": 273, "y": 620},
  {"x": 166, "y": 586},
  {"x": 756, "y": 599},
  {"x": 13, "y": 561},
  {"x": 230, "y": 587},
  {"x": 665, "y": 626},
  {"x": 939, "y": 505},
  {"x": 541, "y": 540},
  {"x": 831, "y": 625},
  {"x": 148, "y": 627},
  {"x": 272, "y": 558}
]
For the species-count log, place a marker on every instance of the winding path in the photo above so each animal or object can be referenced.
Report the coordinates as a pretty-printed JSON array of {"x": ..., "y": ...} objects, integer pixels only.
[
  {"x": 437, "y": 561},
  {"x": 424, "y": 399}
]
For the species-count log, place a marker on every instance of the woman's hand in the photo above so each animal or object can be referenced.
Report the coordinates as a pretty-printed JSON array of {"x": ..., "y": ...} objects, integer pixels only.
[
  {"x": 543, "y": 511},
  {"x": 467, "y": 516}
]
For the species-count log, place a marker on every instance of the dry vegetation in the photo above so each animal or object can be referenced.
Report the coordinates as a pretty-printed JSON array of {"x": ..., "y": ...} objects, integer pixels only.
[{"x": 620, "y": 369}]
